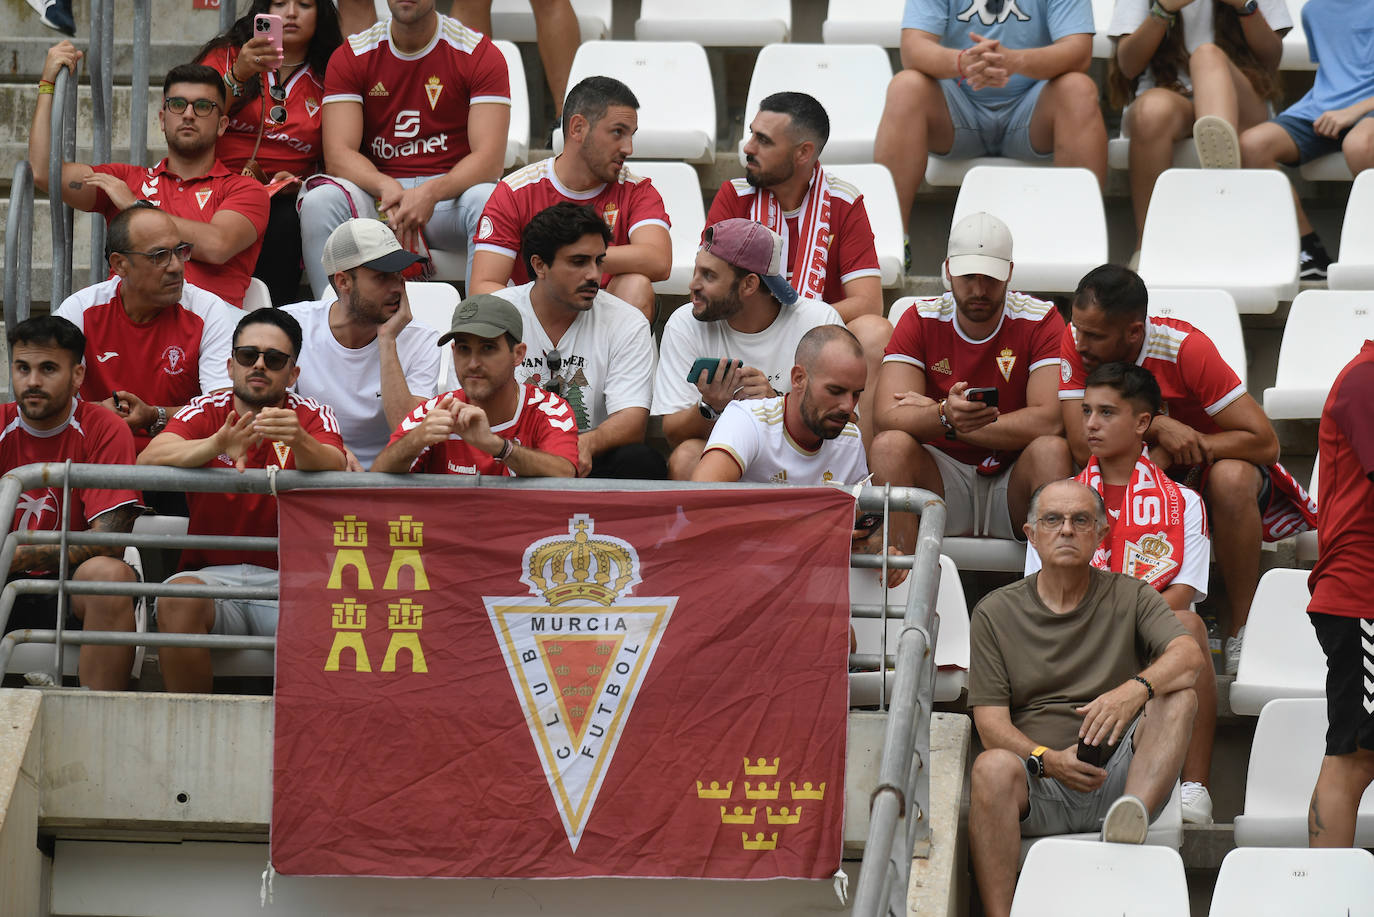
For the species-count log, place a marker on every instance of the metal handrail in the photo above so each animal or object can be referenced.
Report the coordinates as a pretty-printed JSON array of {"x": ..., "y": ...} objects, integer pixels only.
[
  {"x": 138, "y": 100},
  {"x": 62, "y": 149},
  {"x": 100, "y": 71},
  {"x": 19, "y": 246}
]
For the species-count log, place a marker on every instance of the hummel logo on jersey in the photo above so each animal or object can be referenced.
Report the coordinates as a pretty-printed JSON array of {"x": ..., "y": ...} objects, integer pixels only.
[
  {"x": 942, "y": 367},
  {"x": 378, "y": 90},
  {"x": 107, "y": 355}
]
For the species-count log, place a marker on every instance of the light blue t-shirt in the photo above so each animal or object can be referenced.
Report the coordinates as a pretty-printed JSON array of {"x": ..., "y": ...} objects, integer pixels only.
[
  {"x": 1340, "y": 39},
  {"x": 1015, "y": 23}
]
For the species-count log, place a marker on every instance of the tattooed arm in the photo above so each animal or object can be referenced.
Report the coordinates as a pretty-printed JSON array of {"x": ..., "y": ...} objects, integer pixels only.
[{"x": 46, "y": 557}]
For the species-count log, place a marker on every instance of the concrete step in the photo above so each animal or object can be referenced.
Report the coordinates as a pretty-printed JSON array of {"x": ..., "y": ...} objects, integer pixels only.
[{"x": 40, "y": 270}]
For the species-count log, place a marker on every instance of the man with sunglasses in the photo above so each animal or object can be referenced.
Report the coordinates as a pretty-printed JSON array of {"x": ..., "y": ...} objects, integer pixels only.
[
  {"x": 153, "y": 341},
  {"x": 586, "y": 345},
  {"x": 259, "y": 424},
  {"x": 494, "y": 425},
  {"x": 221, "y": 214}
]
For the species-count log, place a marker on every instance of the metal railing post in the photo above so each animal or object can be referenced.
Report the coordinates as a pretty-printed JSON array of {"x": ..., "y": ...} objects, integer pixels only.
[
  {"x": 19, "y": 247},
  {"x": 63, "y": 149},
  {"x": 138, "y": 100},
  {"x": 100, "y": 70}
]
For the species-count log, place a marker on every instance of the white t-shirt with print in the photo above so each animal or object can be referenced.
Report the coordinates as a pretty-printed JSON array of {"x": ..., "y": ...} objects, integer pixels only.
[{"x": 754, "y": 435}]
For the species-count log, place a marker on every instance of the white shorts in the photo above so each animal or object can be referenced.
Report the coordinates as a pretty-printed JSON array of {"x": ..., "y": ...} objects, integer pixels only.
[
  {"x": 240, "y": 617},
  {"x": 975, "y": 504}
]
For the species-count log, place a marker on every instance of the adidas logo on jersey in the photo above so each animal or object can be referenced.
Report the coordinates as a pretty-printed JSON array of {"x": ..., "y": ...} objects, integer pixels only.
[
  {"x": 378, "y": 90},
  {"x": 942, "y": 367}
]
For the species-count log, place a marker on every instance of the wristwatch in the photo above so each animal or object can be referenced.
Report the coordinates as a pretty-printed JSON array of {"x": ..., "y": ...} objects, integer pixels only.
[
  {"x": 706, "y": 410},
  {"x": 1249, "y": 9},
  {"x": 1035, "y": 764},
  {"x": 157, "y": 425}
]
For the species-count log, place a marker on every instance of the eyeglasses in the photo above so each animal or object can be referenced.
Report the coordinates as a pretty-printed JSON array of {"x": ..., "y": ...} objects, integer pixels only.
[
  {"x": 278, "y": 113},
  {"x": 248, "y": 357},
  {"x": 554, "y": 361},
  {"x": 202, "y": 107},
  {"x": 1053, "y": 522},
  {"x": 161, "y": 257}
]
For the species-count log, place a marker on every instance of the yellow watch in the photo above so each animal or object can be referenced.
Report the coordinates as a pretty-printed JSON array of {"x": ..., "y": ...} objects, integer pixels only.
[{"x": 1035, "y": 764}]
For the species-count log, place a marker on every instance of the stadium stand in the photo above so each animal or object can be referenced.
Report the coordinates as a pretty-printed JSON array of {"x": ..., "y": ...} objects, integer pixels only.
[
  {"x": 1164, "y": 831},
  {"x": 1280, "y": 656},
  {"x": 1213, "y": 312},
  {"x": 680, "y": 187},
  {"x": 257, "y": 296},
  {"x": 1285, "y": 756},
  {"x": 1293, "y": 880},
  {"x": 518, "y": 135},
  {"x": 1354, "y": 269},
  {"x": 715, "y": 23},
  {"x": 513, "y": 20},
  {"x": 1075, "y": 878},
  {"x": 880, "y": 200},
  {"x": 863, "y": 22},
  {"x": 432, "y": 304},
  {"x": 1324, "y": 331}
]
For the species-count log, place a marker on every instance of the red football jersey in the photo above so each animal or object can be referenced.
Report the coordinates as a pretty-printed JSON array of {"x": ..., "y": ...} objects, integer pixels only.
[
  {"x": 181, "y": 353},
  {"x": 852, "y": 253},
  {"x": 1193, "y": 378},
  {"x": 415, "y": 106},
  {"x": 91, "y": 435},
  {"x": 243, "y": 514},
  {"x": 1341, "y": 579},
  {"x": 542, "y": 421},
  {"x": 626, "y": 205},
  {"x": 200, "y": 199},
  {"x": 293, "y": 146},
  {"x": 929, "y": 338}
]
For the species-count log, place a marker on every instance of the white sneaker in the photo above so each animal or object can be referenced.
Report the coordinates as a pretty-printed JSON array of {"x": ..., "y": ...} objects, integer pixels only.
[
  {"x": 1233, "y": 651},
  {"x": 1197, "y": 804},
  {"x": 1218, "y": 147},
  {"x": 1126, "y": 822}
]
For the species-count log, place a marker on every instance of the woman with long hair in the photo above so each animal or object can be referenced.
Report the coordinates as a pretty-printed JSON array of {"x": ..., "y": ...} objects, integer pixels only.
[
  {"x": 274, "y": 128},
  {"x": 1207, "y": 67}
]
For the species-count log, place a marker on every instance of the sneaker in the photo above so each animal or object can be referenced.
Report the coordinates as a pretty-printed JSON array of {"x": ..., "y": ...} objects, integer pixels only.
[
  {"x": 56, "y": 14},
  {"x": 1218, "y": 147},
  {"x": 1233, "y": 652},
  {"x": 1126, "y": 822},
  {"x": 1197, "y": 804},
  {"x": 1313, "y": 262}
]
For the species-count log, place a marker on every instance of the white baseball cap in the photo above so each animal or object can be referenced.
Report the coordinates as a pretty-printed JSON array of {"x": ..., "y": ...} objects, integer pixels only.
[
  {"x": 980, "y": 244},
  {"x": 365, "y": 243}
]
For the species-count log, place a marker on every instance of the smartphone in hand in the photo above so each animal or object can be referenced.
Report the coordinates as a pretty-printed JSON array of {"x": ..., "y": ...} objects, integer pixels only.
[
  {"x": 985, "y": 396},
  {"x": 268, "y": 24}
]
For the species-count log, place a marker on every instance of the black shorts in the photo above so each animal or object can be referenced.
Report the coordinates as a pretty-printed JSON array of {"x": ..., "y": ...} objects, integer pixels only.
[
  {"x": 38, "y": 612},
  {"x": 1350, "y": 724}
]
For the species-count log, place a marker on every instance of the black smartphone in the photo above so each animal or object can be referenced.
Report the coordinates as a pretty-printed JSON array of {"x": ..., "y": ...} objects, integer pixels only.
[
  {"x": 987, "y": 395},
  {"x": 707, "y": 365},
  {"x": 1096, "y": 755},
  {"x": 868, "y": 523}
]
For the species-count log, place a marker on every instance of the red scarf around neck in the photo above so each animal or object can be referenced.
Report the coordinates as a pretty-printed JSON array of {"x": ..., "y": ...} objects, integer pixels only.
[{"x": 1147, "y": 538}]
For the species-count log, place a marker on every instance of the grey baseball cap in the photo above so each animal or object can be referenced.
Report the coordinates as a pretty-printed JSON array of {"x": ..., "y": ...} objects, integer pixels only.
[
  {"x": 365, "y": 243},
  {"x": 486, "y": 316}
]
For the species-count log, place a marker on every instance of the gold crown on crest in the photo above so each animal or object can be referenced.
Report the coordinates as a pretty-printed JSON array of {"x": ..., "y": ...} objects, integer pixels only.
[
  {"x": 579, "y": 569},
  {"x": 1154, "y": 546}
]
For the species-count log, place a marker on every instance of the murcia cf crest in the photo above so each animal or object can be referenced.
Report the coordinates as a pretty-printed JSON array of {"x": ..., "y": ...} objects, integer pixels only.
[{"x": 578, "y": 649}]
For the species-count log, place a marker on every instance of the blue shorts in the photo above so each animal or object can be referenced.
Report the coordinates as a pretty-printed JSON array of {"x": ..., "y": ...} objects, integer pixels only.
[
  {"x": 1311, "y": 145},
  {"x": 983, "y": 131}
]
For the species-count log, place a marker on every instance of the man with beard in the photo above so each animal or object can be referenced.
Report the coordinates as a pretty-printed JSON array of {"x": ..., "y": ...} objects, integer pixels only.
[
  {"x": 153, "y": 341},
  {"x": 494, "y": 425},
  {"x": 601, "y": 118},
  {"x": 585, "y": 344},
  {"x": 259, "y": 424},
  {"x": 49, "y": 423},
  {"x": 966, "y": 393},
  {"x": 362, "y": 353},
  {"x": 221, "y": 215},
  {"x": 746, "y": 319},
  {"x": 804, "y": 437}
]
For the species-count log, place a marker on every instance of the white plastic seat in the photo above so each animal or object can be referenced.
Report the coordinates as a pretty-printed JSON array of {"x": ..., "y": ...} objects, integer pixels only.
[
  {"x": 256, "y": 296},
  {"x": 1230, "y": 228},
  {"x": 884, "y": 215},
  {"x": 680, "y": 187},
  {"x": 1307, "y": 541},
  {"x": 1102, "y": 19},
  {"x": 863, "y": 22},
  {"x": 432, "y": 304},
  {"x": 951, "y": 645},
  {"x": 715, "y": 23},
  {"x": 1164, "y": 831},
  {"x": 949, "y": 173},
  {"x": 1075, "y": 878},
  {"x": 899, "y": 308},
  {"x": 1213, "y": 312},
  {"x": 1285, "y": 757},
  {"x": 1057, "y": 221},
  {"x": 518, "y": 136},
  {"x": 1354, "y": 269},
  {"x": 672, "y": 80},
  {"x": 514, "y": 21},
  {"x": 1280, "y": 656},
  {"x": 1324, "y": 332},
  {"x": 1331, "y": 167},
  {"x": 1295, "y": 52},
  {"x": 1280, "y": 881},
  {"x": 1119, "y": 148},
  {"x": 850, "y": 82}
]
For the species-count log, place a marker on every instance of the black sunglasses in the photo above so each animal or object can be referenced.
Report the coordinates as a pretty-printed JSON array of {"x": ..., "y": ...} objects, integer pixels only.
[
  {"x": 278, "y": 113},
  {"x": 274, "y": 359},
  {"x": 202, "y": 107}
]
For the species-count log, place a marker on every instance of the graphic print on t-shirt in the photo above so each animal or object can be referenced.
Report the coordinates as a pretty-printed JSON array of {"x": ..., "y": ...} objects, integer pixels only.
[{"x": 990, "y": 12}]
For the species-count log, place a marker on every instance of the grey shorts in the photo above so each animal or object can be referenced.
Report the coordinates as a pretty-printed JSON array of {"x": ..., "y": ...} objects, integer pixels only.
[
  {"x": 240, "y": 617},
  {"x": 974, "y": 504},
  {"x": 1056, "y": 809},
  {"x": 983, "y": 131}
]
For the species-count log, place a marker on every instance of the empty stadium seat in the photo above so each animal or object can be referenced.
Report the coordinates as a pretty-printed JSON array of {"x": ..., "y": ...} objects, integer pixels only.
[
  {"x": 1285, "y": 757},
  {"x": 681, "y": 190},
  {"x": 863, "y": 22},
  {"x": 951, "y": 645},
  {"x": 1331, "y": 167},
  {"x": 1082, "y": 878},
  {"x": 672, "y": 80},
  {"x": 850, "y": 81},
  {"x": 716, "y": 23},
  {"x": 1213, "y": 312},
  {"x": 1057, "y": 222},
  {"x": 513, "y": 20},
  {"x": 1354, "y": 269},
  {"x": 884, "y": 215},
  {"x": 432, "y": 304},
  {"x": 1230, "y": 228},
  {"x": 1325, "y": 331},
  {"x": 1295, "y": 53},
  {"x": 518, "y": 136},
  {"x": 1280, "y": 656},
  {"x": 899, "y": 308},
  {"x": 257, "y": 296},
  {"x": 1280, "y": 881}
]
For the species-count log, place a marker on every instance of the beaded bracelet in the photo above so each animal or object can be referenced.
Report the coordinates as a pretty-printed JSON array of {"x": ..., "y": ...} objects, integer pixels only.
[{"x": 1148, "y": 687}]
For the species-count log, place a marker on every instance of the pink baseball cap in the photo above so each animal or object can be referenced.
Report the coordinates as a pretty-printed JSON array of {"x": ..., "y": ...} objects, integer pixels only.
[{"x": 751, "y": 247}]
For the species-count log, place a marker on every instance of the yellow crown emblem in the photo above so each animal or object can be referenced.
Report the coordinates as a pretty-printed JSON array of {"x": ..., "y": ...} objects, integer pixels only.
[
  {"x": 762, "y": 768},
  {"x": 714, "y": 791},
  {"x": 784, "y": 816},
  {"x": 433, "y": 81},
  {"x": 1154, "y": 546},
  {"x": 581, "y": 569},
  {"x": 807, "y": 791},
  {"x": 738, "y": 817},
  {"x": 758, "y": 843},
  {"x": 761, "y": 791}
]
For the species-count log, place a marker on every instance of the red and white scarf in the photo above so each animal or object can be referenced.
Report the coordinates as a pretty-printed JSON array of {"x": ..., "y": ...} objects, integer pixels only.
[
  {"x": 1147, "y": 537},
  {"x": 809, "y": 261}
]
